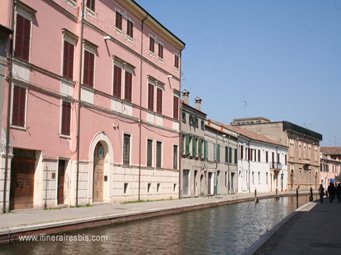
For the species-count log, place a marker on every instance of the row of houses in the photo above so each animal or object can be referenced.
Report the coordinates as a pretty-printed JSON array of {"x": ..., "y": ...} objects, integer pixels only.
[{"x": 91, "y": 112}]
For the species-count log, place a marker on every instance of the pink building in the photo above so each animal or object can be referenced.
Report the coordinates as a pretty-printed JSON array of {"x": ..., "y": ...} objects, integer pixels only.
[
  {"x": 93, "y": 102},
  {"x": 330, "y": 165}
]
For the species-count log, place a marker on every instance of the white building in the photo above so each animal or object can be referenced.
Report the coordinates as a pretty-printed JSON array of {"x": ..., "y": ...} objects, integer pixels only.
[{"x": 262, "y": 163}]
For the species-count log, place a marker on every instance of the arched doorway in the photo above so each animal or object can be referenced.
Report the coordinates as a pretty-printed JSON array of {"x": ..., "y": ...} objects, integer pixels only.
[{"x": 98, "y": 172}]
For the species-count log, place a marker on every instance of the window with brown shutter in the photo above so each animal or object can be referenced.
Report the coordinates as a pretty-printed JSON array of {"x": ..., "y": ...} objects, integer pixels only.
[
  {"x": 117, "y": 81},
  {"x": 68, "y": 60},
  {"x": 158, "y": 154},
  {"x": 126, "y": 149},
  {"x": 66, "y": 117},
  {"x": 151, "y": 44},
  {"x": 19, "y": 106},
  {"x": 176, "y": 107},
  {"x": 176, "y": 61},
  {"x": 160, "y": 53},
  {"x": 118, "y": 23},
  {"x": 128, "y": 86},
  {"x": 130, "y": 28},
  {"x": 159, "y": 100},
  {"x": 149, "y": 152},
  {"x": 22, "y": 38},
  {"x": 150, "y": 97},
  {"x": 88, "y": 68},
  {"x": 90, "y": 4}
]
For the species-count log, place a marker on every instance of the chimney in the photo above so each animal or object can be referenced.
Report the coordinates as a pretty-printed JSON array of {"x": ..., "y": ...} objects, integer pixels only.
[
  {"x": 197, "y": 101},
  {"x": 185, "y": 96}
]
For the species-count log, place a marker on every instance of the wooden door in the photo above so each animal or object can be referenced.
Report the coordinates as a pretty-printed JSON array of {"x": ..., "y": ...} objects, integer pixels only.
[
  {"x": 61, "y": 174},
  {"x": 22, "y": 183},
  {"x": 98, "y": 173}
]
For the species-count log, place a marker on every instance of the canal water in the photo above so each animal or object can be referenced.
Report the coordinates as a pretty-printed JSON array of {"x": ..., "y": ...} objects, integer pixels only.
[{"x": 227, "y": 229}]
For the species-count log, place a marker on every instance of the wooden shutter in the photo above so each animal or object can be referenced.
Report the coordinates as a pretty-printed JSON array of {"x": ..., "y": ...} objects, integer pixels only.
[
  {"x": 128, "y": 86},
  {"x": 117, "y": 81},
  {"x": 90, "y": 4},
  {"x": 130, "y": 28},
  {"x": 176, "y": 61},
  {"x": 159, "y": 100},
  {"x": 88, "y": 68},
  {"x": 19, "y": 106},
  {"x": 176, "y": 108},
  {"x": 158, "y": 154},
  {"x": 150, "y": 97},
  {"x": 68, "y": 60},
  {"x": 149, "y": 152},
  {"x": 151, "y": 44},
  {"x": 160, "y": 50},
  {"x": 22, "y": 38},
  {"x": 118, "y": 20},
  {"x": 66, "y": 116}
]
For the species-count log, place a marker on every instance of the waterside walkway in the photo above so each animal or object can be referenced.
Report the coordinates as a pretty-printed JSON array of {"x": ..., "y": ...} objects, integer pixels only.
[
  {"x": 314, "y": 228},
  {"x": 38, "y": 221}
]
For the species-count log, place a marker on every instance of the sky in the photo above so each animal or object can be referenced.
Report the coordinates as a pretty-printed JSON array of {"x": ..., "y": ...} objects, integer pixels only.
[{"x": 280, "y": 59}]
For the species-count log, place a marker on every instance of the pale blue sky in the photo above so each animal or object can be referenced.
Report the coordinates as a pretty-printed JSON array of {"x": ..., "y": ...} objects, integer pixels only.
[{"x": 280, "y": 59}]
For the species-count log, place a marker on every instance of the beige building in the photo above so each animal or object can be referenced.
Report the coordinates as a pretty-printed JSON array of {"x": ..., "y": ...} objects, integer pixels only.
[{"x": 303, "y": 148}]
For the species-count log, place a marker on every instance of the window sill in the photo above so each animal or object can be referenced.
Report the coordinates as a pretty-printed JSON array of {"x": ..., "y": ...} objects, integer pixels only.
[
  {"x": 160, "y": 59},
  {"x": 64, "y": 136},
  {"x": 150, "y": 53},
  {"x": 129, "y": 38},
  {"x": 118, "y": 31},
  {"x": 18, "y": 127},
  {"x": 90, "y": 12}
]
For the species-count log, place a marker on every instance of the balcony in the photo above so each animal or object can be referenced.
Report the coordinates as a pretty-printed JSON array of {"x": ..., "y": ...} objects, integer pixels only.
[{"x": 276, "y": 166}]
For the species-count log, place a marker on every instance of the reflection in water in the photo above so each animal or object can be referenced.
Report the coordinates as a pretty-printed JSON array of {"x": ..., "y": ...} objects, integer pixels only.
[{"x": 222, "y": 230}]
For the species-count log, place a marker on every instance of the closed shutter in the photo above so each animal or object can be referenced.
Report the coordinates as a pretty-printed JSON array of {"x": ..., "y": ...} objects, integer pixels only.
[
  {"x": 88, "y": 69},
  {"x": 200, "y": 148},
  {"x": 149, "y": 152},
  {"x": 205, "y": 150},
  {"x": 22, "y": 38},
  {"x": 150, "y": 97},
  {"x": 159, "y": 100},
  {"x": 187, "y": 145},
  {"x": 118, "y": 20},
  {"x": 66, "y": 116},
  {"x": 151, "y": 44},
  {"x": 117, "y": 81},
  {"x": 19, "y": 105},
  {"x": 176, "y": 108},
  {"x": 68, "y": 60},
  {"x": 218, "y": 152},
  {"x": 128, "y": 86},
  {"x": 158, "y": 154}
]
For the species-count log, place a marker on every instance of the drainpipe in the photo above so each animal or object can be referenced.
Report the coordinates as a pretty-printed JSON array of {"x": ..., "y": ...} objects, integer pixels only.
[
  {"x": 180, "y": 131},
  {"x": 140, "y": 117},
  {"x": 9, "y": 102},
  {"x": 79, "y": 96}
]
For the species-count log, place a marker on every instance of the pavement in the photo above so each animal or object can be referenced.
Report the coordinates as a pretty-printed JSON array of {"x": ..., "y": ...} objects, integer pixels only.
[
  {"x": 314, "y": 228},
  {"x": 37, "y": 221}
]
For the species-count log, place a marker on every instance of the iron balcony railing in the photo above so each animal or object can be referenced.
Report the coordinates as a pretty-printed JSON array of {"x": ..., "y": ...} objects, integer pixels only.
[{"x": 276, "y": 166}]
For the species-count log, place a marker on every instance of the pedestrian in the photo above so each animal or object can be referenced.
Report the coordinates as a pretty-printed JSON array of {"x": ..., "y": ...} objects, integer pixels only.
[
  {"x": 331, "y": 191},
  {"x": 321, "y": 192},
  {"x": 338, "y": 192}
]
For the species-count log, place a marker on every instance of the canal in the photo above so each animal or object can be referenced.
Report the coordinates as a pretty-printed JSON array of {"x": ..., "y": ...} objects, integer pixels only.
[{"x": 227, "y": 229}]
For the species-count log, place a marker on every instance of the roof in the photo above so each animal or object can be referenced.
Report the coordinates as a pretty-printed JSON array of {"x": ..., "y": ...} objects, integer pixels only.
[
  {"x": 293, "y": 127},
  {"x": 252, "y": 135},
  {"x": 184, "y": 106},
  {"x": 331, "y": 150}
]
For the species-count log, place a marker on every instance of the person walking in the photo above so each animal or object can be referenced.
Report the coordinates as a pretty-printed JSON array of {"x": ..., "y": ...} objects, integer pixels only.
[
  {"x": 338, "y": 192},
  {"x": 321, "y": 192},
  {"x": 331, "y": 191}
]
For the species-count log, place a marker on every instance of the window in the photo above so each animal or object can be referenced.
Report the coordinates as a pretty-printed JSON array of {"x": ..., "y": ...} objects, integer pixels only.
[
  {"x": 235, "y": 156},
  {"x": 68, "y": 60},
  {"x": 149, "y": 152},
  {"x": 226, "y": 154},
  {"x": 151, "y": 44},
  {"x": 158, "y": 154},
  {"x": 176, "y": 108},
  {"x": 175, "y": 157},
  {"x": 128, "y": 86},
  {"x": 126, "y": 149},
  {"x": 150, "y": 97},
  {"x": 19, "y": 106},
  {"x": 253, "y": 177},
  {"x": 194, "y": 147},
  {"x": 259, "y": 159},
  {"x": 90, "y": 4},
  {"x": 118, "y": 23},
  {"x": 200, "y": 142},
  {"x": 267, "y": 157},
  {"x": 176, "y": 61},
  {"x": 241, "y": 152},
  {"x": 160, "y": 52},
  {"x": 205, "y": 150},
  {"x": 22, "y": 38},
  {"x": 202, "y": 125},
  {"x": 184, "y": 117},
  {"x": 159, "y": 100},
  {"x": 218, "y": 152},
  {"x": 278, "y": 158},
  {"x": 88, "y": 68},
  {"x": 130, "y": 28},
  {"x": 66, "y": 114},
  {"x": 267, "y": 178},
  {"x": 258, "y": 177},
  {"x": 117, "y": 81},
  {"x": 286, "y": 159},
  {"x": 230, "y": 155}
]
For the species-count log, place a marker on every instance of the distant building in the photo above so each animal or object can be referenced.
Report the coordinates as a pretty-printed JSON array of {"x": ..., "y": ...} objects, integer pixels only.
[
  {"x": 222, "y": 158},
  {"x": 194, "y": 148},
  {"x": 303, "y": 146},
  {"x": 262, "y": 162},
  {"x": 330, "y": 165}
]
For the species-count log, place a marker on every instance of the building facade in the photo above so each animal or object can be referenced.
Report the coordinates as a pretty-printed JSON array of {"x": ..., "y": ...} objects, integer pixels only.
[
  {"x": 94, "y": 104},
  {"x": 262, "y": 163},
  {"x": 303, "y": 149},
  {"x": 330, "y": 169},
  {"x": 194, "y": 148}
]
